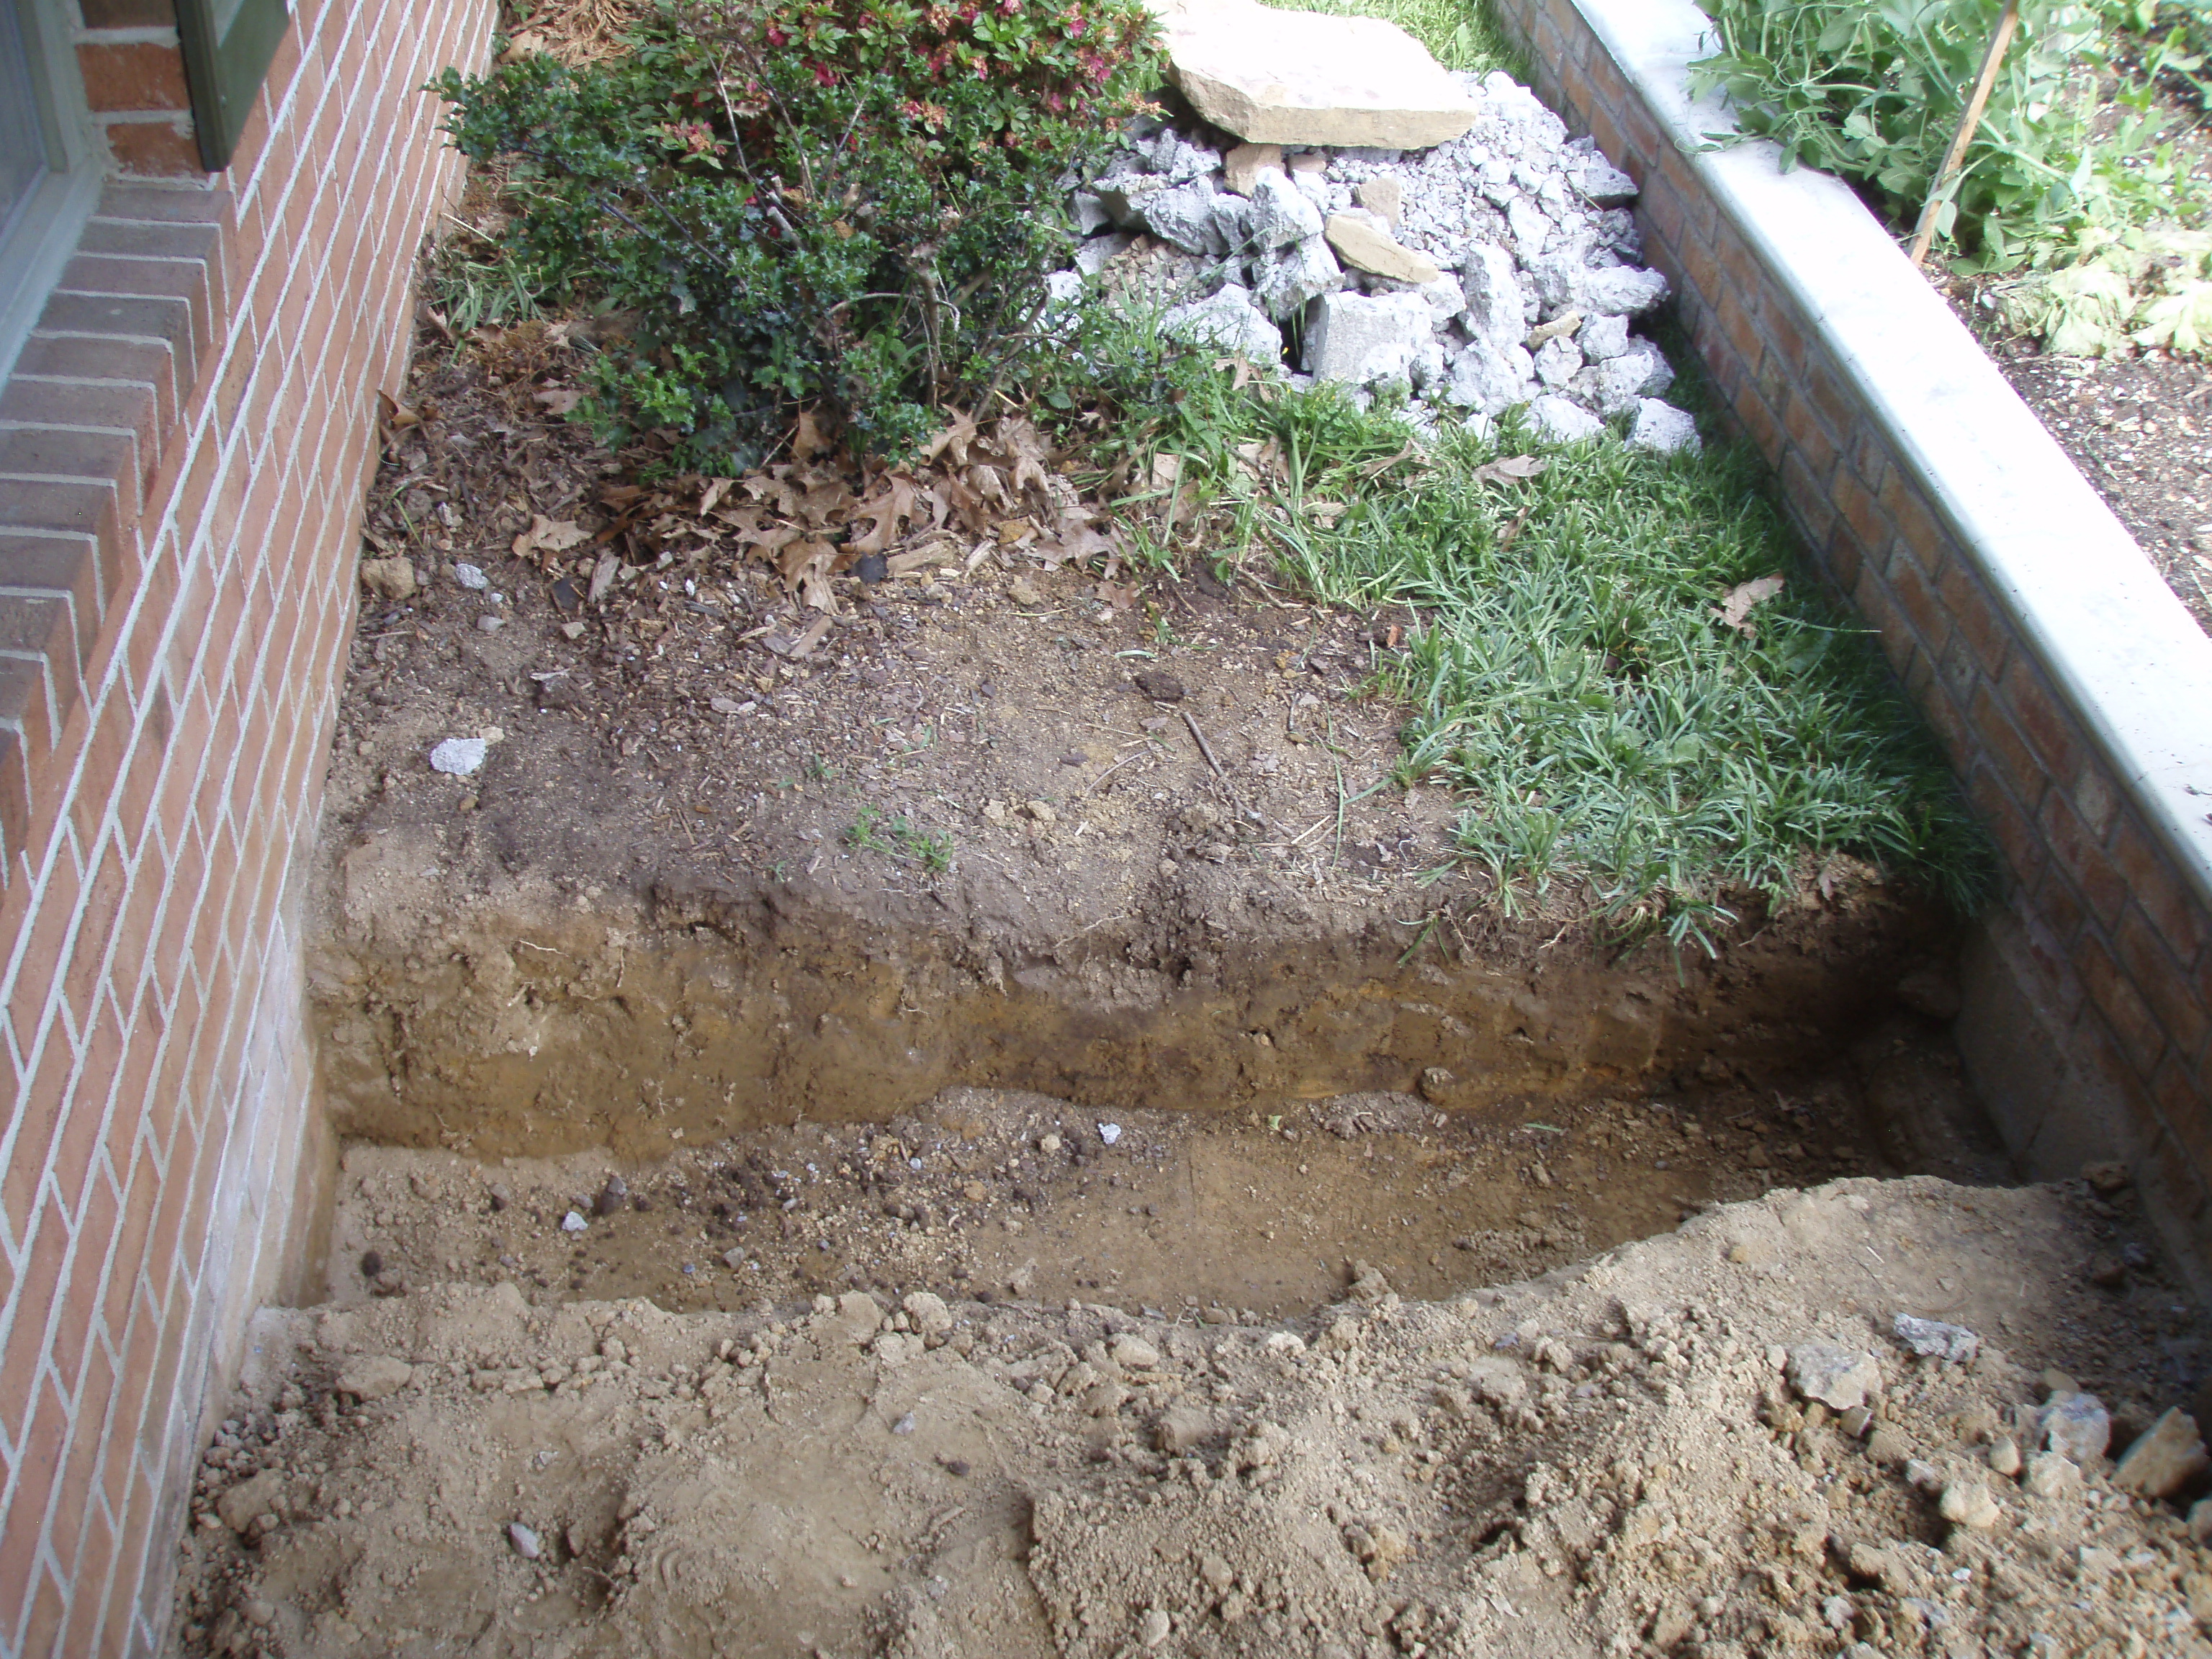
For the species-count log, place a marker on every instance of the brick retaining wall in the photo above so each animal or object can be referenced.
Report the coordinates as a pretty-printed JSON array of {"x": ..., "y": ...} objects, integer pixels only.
[
  {"x": 2072, "y": 691},
  {"x": 183, "y": 445}
]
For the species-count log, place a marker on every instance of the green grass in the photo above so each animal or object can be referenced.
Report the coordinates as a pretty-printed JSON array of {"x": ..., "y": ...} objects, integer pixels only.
[
  {"x": 1577, "y": 686},
  {"x": 1459, "y": 33}
]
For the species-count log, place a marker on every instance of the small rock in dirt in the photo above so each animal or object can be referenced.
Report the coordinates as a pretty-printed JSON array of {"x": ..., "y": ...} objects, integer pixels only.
[
  {"x": 372, "y": 1264},
  {"x": 472, "y": 577},
  {"x": 1154, "y": 1628},
  {"x": 1109, "y": 1134},
  {"x": 1158, "y": 686},
  {"x": 2164, "y": 1461},
  {"x": 498, "y": 1197},
  {"x": 928, "y": 1312},
  {"x": 249, "y": 1500},
  {"x": 2004, "y": 1456},
  {"x": 375, "y": 1377},
  {"x": 1134, "y": 1353},
  {"x": 460, "y": 757},
  {"x": 1498, "y": 1381},
  {"x": 525, "y": 1541},
  {"x": 2107, "y": 1271},
  {"x": 1182, "y": 1427},
  {"x": 573, "y": 1223},
  {"x": 734, "y": 1260},
  {"x": 2107, "y": 1180},
  {"x": 1042, "y": 811},
  {"x": 1022, "y": 590},
  {"x": 1049, "y": 1145},
  {"x": 1920, "y": 1472},
  {"x": 2200, "y": 1519},
  {"x": 1931, "y": 990},
  {"x": 2076, "y": 1425},
  {"x": 1968, "y": 1504},
  {"x": 2052, "y": 1474},
  {"x": 1840, "y": 1378},
  {"x": 1437, "y": 1085},
  {"x": 1931, "y": 1339},
  {"x": 388, "y": 579},
  {"x": 859, "y": 1313},
  {"x": 613, "y": 1196}
]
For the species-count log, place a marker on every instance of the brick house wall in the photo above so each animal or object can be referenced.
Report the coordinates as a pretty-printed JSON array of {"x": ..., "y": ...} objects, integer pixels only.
[
  {"x": 2071, "y": 691},
  {"x": 183, "y": 445}
]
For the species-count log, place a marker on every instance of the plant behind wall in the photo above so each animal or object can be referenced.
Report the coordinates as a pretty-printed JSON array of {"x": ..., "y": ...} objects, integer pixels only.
[{"x": 781, "y": 204}]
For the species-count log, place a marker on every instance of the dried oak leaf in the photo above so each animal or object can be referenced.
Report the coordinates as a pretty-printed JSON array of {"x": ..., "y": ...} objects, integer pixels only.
[
  {"x": 1512, "y": 470},
  {"x": 1736, "y": 610},
  {"x": 549, "y": 536},
  {"x": 559, "y": 399}
]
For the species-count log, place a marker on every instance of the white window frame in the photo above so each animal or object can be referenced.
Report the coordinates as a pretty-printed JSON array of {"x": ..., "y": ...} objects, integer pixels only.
[{"x": 33, "y": 253}]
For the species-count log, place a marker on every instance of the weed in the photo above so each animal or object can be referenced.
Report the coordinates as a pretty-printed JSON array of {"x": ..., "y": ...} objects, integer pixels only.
[
  {"x": 1577, "y": 684},
  {"x": 901, "y": 838}
]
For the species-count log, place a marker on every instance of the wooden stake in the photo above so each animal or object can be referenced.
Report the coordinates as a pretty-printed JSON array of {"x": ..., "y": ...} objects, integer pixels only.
[{"x": 1924, "y": 234}]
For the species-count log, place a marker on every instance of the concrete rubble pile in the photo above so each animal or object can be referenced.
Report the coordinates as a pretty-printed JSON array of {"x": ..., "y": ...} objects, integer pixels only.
[{"x": 1491, "y": 265}]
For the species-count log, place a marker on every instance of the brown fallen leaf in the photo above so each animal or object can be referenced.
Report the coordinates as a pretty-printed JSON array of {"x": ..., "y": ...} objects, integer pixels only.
[
  {"x": 812, "y": 437},
  {"x": 559, "y": 399},
  {"x": 1511, "y": 533},
  {"x": 1119, "y": 597},
  {"x": 803, "y": 645},
  {"x": 887, "y": 506},
  {"x": 602, "y": 577},
  {"x": 953, "y": 442},
  {"x": 549, "y": 536},
  {"x": 1512, "y": 470},
  {"x": 806, "y": 566},
  {"x": 712, "y": 493},
  {"x": 1736, "y": 610}
]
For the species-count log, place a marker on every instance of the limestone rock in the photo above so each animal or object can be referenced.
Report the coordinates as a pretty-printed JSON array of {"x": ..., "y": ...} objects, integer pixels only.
[
  {"x": 1093, "y": 256},
  {"x": 1840, "y": 1378},
  {"x": 1244, "y": 164},
  {"x": 1557, "y": 361},
  {"x": 1185, "y": 216},
  {"x": 1602, "y": 184},
  {"x": 1668, "y": 430},
  {"x": 1359, "y": 243},
  {"x": 1617, "y": 384},
  {"x": 1228, "y": 319},
  {"x": 1363, "y": 339},
  {"x": 2051, "y": 1475},
  {"x": 1383, "y": 196},
  {"x": 2165, "y": 1459},
  {"x": 1292, "y": 77},
  {"x": 858, "y": 1315},
  {"x": 375, "y": 1377}
]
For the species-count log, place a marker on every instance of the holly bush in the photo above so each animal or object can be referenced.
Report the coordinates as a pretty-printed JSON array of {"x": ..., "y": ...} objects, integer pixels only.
[{"x": 785, "y": 203}]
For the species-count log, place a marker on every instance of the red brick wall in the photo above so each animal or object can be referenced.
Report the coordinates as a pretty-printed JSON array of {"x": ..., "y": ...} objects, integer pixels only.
[
  {"x": 2102, "y": 947},
  {"x": 183, "y": 449}
]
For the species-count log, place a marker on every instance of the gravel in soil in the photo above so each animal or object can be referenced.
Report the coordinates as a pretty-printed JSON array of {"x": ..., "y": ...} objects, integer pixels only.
[{"x": 1713, "y": 1442}]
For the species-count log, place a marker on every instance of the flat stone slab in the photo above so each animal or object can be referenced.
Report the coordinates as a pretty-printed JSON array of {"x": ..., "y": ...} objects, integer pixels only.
[{"x": 1296, "y": 77}]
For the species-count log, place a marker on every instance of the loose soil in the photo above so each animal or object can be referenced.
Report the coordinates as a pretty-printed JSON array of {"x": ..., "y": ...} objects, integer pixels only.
[
  {"x": 1604, "y": 1458},
  {"x": 2140, "y": 428}
]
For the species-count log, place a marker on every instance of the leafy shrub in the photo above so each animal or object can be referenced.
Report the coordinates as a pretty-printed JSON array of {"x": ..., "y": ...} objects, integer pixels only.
[
  {"x": 793, "y": 201},
  {"x": 1874, "y": 92}
]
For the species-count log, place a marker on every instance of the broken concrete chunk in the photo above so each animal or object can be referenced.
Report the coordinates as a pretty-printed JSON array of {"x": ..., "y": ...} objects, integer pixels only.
[
  {"x": 1931, "y": 1339},
  {"x": 1603, "y": 337},
  {"x": 2161, "y": 1462},
  {"x": 1281, "y": 214},
  {"x": 1383, "y": 196},
  {"x": 1185, "y": 216},
  {"x": 1665, "y": 430},
  {"x": 1558, "y": 360},
  {"x": 1497, "y": 307},
  {"x": 1291, "y": 78},
  {"x": 1564, "y": 422},
  {"x": 1621, "y": 291},
  {"x": 1361, "y": 244},
  {"x": 2076, "y": 1425},
  {"x": 1362, "y": 339},
  {"x": 1228, "y": 320},
  {"x": 460, "y": 757},
  {"x": 1602, "y": 184},
  {"x": 1285, "y": 283},
  {"x": 1489, "y": 380},
  {"x": 1838, "y": 1377}
]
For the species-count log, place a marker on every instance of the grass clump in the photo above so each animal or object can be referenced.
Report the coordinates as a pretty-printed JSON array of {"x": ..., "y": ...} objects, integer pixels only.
[
  {"x": 1573, "y": 672},
  {"x": 901, "y": 838}
]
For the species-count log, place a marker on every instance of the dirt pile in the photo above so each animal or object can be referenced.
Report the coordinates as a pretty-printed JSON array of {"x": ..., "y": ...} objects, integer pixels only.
[{"x": 1613, "y": 1458}]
